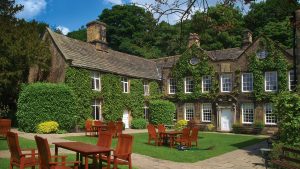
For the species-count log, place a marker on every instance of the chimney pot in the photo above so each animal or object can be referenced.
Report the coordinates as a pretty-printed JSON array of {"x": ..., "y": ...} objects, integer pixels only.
[
  {"x": 247, "y": 38},
  {"x": 96, "y": 34},
  {"x": 194, "y": 39}
]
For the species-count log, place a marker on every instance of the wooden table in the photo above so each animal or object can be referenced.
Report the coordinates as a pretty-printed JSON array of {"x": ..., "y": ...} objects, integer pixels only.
[
  {"x": 84, "y": 150},
  {"x": 171, "y": 135}
]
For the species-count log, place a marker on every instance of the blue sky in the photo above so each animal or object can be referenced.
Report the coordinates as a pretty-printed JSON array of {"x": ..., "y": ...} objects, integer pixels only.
[{"x": 69, "y": 15}]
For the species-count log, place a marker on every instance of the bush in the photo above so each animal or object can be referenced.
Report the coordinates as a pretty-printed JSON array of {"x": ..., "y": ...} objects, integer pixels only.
[
  {"x": 47, "y": 127},
  {"x": 138, "y": 123},
  {"x": 42, "y": 102},
  {"x": 237, "y": 128},
  {"x": 161, "y": 112},
  {"x": 181, "y": 124},
  {"x": 210, "y": 127}
]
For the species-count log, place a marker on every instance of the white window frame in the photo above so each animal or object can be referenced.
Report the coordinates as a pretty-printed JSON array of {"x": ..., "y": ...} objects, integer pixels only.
[
  {"x": 187, "y": 85},
  {"x": 96, "y": 78},
  {"x": 248, "y": 83},
  {"x": 125, "y": 84},
  {"x": 188, "y": 106},
  {"x": 206, "y": 80},
  {"x": 146, "y": 88},
  {"x": 172, "y": 85},
  {"x": 146, "y": 112},
  {"x": 206, "y": 112},
  {"x": 230, "y": 85},
  {"x": 276, "y": 81},
  {"x": 97, "y": 104},
  {"x": 249, "y": 107},
  {"x": 266, "y": 107},
  {"x": 292, "y": 80}
]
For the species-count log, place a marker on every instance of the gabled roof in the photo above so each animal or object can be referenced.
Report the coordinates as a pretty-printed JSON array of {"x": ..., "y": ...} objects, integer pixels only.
[{"x": 85, "y": 55}]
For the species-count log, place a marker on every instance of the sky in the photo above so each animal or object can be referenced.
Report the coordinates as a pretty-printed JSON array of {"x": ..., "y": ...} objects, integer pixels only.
[{"x": 70, "y": 15}]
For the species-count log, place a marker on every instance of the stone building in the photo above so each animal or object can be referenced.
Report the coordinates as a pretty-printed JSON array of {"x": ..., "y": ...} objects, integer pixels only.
[{"x": 230, "y": 69}]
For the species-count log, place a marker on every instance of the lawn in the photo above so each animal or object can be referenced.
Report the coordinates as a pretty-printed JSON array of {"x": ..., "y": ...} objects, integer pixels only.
[
  {"x": 24, "y": 143},
  {"x": 209, "y": 145}
]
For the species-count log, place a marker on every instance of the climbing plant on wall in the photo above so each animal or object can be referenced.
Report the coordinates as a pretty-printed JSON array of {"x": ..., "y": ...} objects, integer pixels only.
[
  {"x": 184, "y": 68},
  {"x": 274, "y": 61}
]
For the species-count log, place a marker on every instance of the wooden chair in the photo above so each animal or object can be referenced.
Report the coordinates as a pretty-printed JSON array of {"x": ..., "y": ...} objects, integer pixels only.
[
  {"x": 17, "y": 158},
  {"x": 5, "y": 125},
  {"x": 152, "y": 135},
  {"x": 184, "y": 139},
  {"x": 123, "y": 151},
  {"x": 111, "y": 127},
  {"x": 45, "y": 158},
  {"x": 97, "y": 122},
  {"x": 119, "y": 127},
  {"x": 161, "y": 128},
  {"x": 89, "y": 127},
  {"x": 194, "y": 136}
]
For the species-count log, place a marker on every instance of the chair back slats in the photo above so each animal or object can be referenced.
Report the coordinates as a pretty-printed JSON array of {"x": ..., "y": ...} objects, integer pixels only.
[
  {"x": 194, "y": 135},
  {"x": 104, "y": 139},
  {"x": 119, "y": 126},
  {"x": 44, "y": 152},
  {"x": 13, "y": 145},
  {"x": 5, "y": 125},
  {"x": 161, "y": 128},
  {"x": 111, "y": 127},
  {"x": 185, "y": 133},
  {"x": 151, "y": 131},
  {"x": 88, "y": 124},
  {"x": 97, "y": 122},
  {"x": 124, "y": 146}
]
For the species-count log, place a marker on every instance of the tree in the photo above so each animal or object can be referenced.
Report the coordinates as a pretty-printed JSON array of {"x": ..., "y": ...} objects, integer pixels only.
[
  {"x": 20, "y": 47},
  {"x": 79, "y": 34}
]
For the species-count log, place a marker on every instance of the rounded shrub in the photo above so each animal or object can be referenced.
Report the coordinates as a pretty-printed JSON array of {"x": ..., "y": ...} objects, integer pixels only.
[
  {"x": 180, "y": 124},
  {"x": 161, "y": 112},
  {"x": 47, "y": 127},
  {"x": 40, "y": 102},
  {"x": 138, "y": 123}
]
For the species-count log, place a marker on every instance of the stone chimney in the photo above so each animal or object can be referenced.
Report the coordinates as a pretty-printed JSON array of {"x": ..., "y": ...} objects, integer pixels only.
[
  {"x": 247, "y": 38},
  {"x": 194, "y": 39},
  {"x": 96, "y": 34}
]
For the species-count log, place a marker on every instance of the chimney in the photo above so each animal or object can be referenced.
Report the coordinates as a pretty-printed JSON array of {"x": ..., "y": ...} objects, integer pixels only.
[
  {"x": 247, "y": 38},
  {"x": 194, "y": 39},
  {"x": 96, "y": 35}
]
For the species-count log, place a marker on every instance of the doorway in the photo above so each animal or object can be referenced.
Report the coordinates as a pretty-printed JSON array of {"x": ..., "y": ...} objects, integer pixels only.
[{"x": 226, "y": 119}]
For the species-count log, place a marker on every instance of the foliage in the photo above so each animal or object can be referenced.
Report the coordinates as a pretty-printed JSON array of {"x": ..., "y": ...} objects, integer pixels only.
[
  {"x": 183, "y": 69},
  {"x": 161, "y": 112},
  {"x": 138, "y": 123},
  {"x": 181, "y": 124},
  {"x": 286, "y": 108},
  {"x": 155, "y": 92},
  {"x": 79, "y": 34},
  {"x": 47, "y": 127},
  {"x": 4, "y": 109},
  {"x": 236, "y": 127},
  {"x": 258, "y": 124},
  {"x": 210, "y": 127},
  {"x": 275, "y": 61},
  {"x": 41, "y": 102}
]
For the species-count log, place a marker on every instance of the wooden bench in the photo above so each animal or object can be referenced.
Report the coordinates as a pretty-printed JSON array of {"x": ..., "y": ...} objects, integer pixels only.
[
  {"x": 289, "y": 159},
  {"x": 5, "y": 125}
]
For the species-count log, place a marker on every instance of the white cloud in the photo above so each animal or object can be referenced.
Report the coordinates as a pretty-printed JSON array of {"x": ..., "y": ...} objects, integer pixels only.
[
  {"x": 63, "y": 29},
  {"x": 31, "y": 8},
  {"x": 118, "y": 2}
]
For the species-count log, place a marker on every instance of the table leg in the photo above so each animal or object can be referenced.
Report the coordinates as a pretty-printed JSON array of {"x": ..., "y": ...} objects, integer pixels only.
[
  {"x": 171, "y": 141},
  {"x": 108, "y": 160},
  {"x": 81, "y": 161},
  {"x": 56, "y": 152},
  {"x": 77, "y": 156},
  {"x": 86, "y": 162}
]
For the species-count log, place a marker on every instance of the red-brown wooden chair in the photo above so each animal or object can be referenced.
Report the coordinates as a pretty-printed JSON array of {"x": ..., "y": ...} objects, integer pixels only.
[
  {"x": 152, "y": 135},
  {"x": 119, "y": 127},
  {"x": 89, "y": 127},
  {"x": 5, "y": 125},
  {"x": 17, "y": 157},
  {"x": 161, "y": 129},
  {"x": 45, "y": 158},
  {"x": 111, "y": 127},
  {"x": 184, "y": 139},
  {"x": 96, "y": 123},
  {"x": 194, "y": 136}
]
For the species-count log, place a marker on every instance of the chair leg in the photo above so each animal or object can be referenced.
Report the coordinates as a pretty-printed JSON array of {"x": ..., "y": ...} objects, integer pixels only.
[
  {"x": 115, "y": 163},
  {"x": 11, "y": 165},
  {"x": 129, "y": 162}
]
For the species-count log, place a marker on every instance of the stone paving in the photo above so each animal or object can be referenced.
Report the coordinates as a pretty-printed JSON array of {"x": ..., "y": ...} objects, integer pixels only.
[{"x": 246, "y": 158}]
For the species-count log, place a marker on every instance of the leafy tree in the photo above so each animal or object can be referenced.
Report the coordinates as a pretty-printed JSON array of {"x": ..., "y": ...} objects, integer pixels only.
[{"x": 79, "y": 34}]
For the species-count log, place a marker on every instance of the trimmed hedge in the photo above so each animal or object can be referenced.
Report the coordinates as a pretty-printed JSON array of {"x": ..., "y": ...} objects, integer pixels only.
[
  {"x": 161, "y": 112},
  {"x": 47, "y": 127},
  {"x": 138, "y": 123},
  {"x": 40, "y": 102}
]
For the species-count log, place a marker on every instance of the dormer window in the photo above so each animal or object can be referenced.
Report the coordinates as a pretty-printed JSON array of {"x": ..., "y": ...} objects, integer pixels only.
[{"x": 262, "y": 54}]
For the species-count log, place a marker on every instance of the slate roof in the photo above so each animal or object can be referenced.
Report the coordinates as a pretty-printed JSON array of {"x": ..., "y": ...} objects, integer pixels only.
[{"x": 85, "y": 55}]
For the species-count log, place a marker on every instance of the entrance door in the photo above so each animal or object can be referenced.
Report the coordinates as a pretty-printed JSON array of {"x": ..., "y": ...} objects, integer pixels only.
[
  {"x": 125, "y": 118},
  {"x": 226, "y": 120}
]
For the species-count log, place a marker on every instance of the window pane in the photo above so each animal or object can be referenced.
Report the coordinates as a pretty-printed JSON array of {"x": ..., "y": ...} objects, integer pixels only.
[
  {"x": 270, "y": 118},
  {"x": 206, "y": 83},
  {"x": 189, "y": 85},
  {"x": 172, "y": 86},
  {"x": 226, "y": 82},
  {"x": 206, "y": 112},
  {"x": 247, "y": 82},
  {"x": 189, "y": 111},
  {"x": 271, "y": 81},
  {"x": 292, "y": 83},
  {"x": 248, "y": 113},
  {"x": 96, "y": 109}
]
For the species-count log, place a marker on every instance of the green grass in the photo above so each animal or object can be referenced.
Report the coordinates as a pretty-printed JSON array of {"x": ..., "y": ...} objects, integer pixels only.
[
  {"x": 209, "y": 145},
  {"x": 24, "y": 143}
]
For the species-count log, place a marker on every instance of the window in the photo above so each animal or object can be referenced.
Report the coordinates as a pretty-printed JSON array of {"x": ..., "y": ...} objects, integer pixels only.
[
  {"x": 206, "y": 112},
  {"x": 292, "y": 83},
  {"x": 262, "y": 54},
  {"x": 125, "y": 85},
  {"x": 248, "y": 113},
  {"x": 247, "y": 82},
  {"x": 226, "y": 83},
  {"x": 172, "y": 86},
  {"x": 188, "y": 85},
  {"x": 96, "y": 109},
  {"x": 96, "y": 82},
  {"x": 146, "y": 112},
  {"x": 189, "y": 111},
  {"x": 269, "y": 116},
  {"x": 271, "y": 81},
  {"x": 146, "y": 88},
  {"x": 206, "y": 83}
]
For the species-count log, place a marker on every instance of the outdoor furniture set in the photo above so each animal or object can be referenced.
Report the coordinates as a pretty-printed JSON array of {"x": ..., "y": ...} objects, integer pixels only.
[
  {"x": 185, "y": 137},
  {"x": 92, "y": 127},
  {"x": 100, "y": 152}
]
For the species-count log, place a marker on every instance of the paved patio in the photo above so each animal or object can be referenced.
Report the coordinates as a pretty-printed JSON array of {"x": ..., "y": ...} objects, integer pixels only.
[{"x": 246, "y": 158}]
